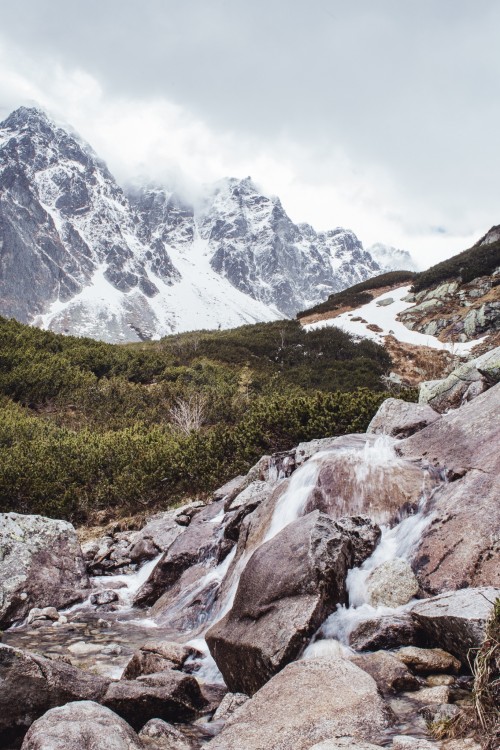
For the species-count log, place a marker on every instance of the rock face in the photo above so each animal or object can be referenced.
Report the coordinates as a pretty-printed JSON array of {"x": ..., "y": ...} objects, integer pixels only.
[
  {"x": 307, "y": 702},
  {"x": 461, "y": 545},
  {"x": 82, "y": 725},
  {"x": 456, "y": 620},
  {"x": 401, "y": 419},
  {"x": 32, "y": 684},
  {"x": 41, "y": 565},
  {"x": 290, "y": 584},
  {"x": 465, "y": 383}
]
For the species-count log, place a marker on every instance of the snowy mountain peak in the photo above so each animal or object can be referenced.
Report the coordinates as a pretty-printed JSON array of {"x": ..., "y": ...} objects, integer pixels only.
[{"x": 79, "y": 255}]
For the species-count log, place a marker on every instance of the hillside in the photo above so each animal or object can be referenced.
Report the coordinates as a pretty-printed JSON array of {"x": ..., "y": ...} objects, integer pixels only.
[{"x": 87, "y": 426}]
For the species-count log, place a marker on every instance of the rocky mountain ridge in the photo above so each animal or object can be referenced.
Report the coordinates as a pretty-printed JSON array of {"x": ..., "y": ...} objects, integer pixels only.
[{"x": 79, "y": 255}]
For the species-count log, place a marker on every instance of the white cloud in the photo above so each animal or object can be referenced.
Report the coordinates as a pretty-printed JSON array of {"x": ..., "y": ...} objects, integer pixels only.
[{"x": 323, "y": 181}]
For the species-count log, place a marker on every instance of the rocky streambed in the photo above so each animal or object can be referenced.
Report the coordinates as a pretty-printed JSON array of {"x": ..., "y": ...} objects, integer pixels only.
[{"x": 329, "y": 599}]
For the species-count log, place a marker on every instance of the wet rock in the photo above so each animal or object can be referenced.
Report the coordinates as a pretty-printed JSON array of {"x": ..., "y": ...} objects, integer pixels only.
[
  {"x": 82, "y": 725},
  {"x": 103, "y": 597},
  {"x": 457, "y": 620},
  {"x": 32, "y": 684},
  {"x": 429, "y": 695},
  {"x": 388, "y": 672},
  {"x": 41, "y": 565},
  {"x": 45, "y": 613},
  {"x": 389, "y": 631},
  {"x": 436, "y": 680},
  {"x": 438, "y": 712},
  {"x": 461, "y": 545},
  {"x": 391, "y": 584},
  {"x": 307, "y": 702},
  {"x": 157, "y": 656},
  {"x": 164, "y": 735},
  {"x": 387, "y": 489},
  {"x": 290, "y": 584},
  {"x": 253, "y": 493},
  {"x": 171, "y": 696},
  {"x": 229, "y": 704},
  {"x": 400, "y": 419},
  {"x": 364, "y": 535},
  {"x": 143, "y": 550},
  {"x": 231, "y": 489},
  {"x": 304, "y": 451},
  {"x": 199, "y": 541},
  {"x": 427, "y": 660}
]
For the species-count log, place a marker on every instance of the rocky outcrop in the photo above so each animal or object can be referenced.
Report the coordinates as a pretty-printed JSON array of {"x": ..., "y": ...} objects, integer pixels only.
[
  {"x": 307, "y": 702},
  {"x": 465, "y": 383},
  {"x": 456, "y": 620},
  {"x": 41, "y": 565},
  {"x": 461, "y": 545},
  {"x": 82, "y": 725},
  {"x": 289, "y": 585},
  {"x": 32, "y": 684},
  {"x": 401, "y": 419}
]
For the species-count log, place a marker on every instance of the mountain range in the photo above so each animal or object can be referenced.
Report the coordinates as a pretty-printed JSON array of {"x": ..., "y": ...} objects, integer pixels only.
[{"x": 81, "y": 255}]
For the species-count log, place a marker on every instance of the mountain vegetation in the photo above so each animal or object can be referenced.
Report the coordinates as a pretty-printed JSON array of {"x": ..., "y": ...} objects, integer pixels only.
[{"x": 87, "y": 426}]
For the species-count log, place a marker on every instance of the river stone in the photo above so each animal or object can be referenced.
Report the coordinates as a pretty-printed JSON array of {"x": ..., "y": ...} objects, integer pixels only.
[
  {"x": 391, "y": 584},
  {"x": 427, "y": 660},
  {"x": 389, "y": 631},
  {"x": 164, "y": 736},
  {"x": 307, "y": 702},
  {"x": 388, "y": 672},
  {"x": 172, "y": 696},
  {"x": 157, "y": 656},
  {"x": 401, "y": 419},
  {"x": 289, "y": 586},
  {"x": 456, "y": 621},
  {"x": 461, "y": 545},
  {"x": 103, "y": 597},
  {"x": 32, "y": 684},
  {"x": 199, "y": 541},
  {"x": 229, "y": 704},
  {"x": 41, "y": 565},
  {"x": 82, "y": 725}
]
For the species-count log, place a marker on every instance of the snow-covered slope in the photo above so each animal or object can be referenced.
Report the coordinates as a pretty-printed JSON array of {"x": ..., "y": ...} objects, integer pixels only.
[
  {"x": 78, "y": 255},
  {"x": 378, "y": 318}
]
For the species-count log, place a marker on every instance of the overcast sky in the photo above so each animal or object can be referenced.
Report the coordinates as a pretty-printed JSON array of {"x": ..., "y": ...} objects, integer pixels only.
[{"x": 378, "y": 115}]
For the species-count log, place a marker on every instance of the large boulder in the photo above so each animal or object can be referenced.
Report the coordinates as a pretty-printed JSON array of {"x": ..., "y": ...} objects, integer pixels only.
[
  {"x": 400, "y": 419},
  {"x": 456, "y": 621},
  {"x": 172, "y": 696},
  {"x": 83, "y": 725},
  {"x": 465, "y": 382},
  {"x": 290, "y": 584},
  {"x": 41, "y": 565},
  {"x": 388, "y": 631},
  {"x": 199, "y": 542},
  {"x": 32, "y": 684},
  {"x": 307, "y": 702},
  {"x": 390, "y": 674},
  {"x": 157, "y": 656},
  {"x": 461, "y": 545}
]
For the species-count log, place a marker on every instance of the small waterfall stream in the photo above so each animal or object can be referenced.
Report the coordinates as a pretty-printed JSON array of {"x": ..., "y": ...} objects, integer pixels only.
[{"x": 363, "y": 464}]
